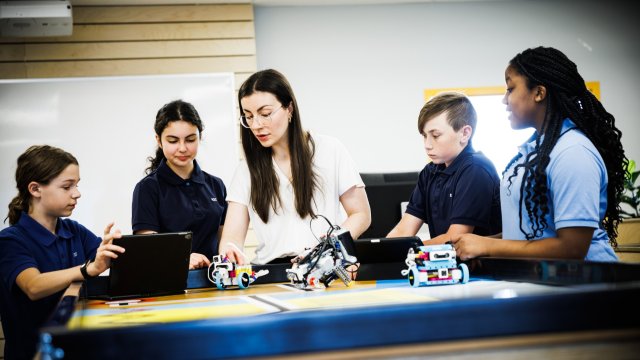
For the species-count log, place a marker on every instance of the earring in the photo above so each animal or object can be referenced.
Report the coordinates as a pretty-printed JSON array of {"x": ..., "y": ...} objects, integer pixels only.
[{"x": 289, "y": 119}]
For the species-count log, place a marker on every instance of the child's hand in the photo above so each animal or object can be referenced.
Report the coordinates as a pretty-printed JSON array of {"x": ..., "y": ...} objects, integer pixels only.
[
  {"x": 197, "y": 261},
  {"x": 469, "y": 246},
  {"x": 106, "y": 251},
  {"x": 234, "y": 254}
]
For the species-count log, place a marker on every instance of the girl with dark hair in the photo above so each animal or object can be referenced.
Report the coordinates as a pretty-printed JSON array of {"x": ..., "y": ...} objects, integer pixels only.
[
  {"x": 565, "y": 182},
  {"x": 288, "y": 177},
  {"x": 41, "y": 253},
  {"x": 177, "y": 195}
]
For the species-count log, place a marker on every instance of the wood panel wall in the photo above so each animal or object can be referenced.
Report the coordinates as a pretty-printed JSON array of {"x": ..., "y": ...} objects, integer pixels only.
[{"x": 139, "y": 40}]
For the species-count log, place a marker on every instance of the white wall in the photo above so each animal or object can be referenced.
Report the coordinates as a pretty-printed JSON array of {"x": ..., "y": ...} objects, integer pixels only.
[
  {"x": 109, "y": 129},
  {"x": 359, "y": 71}
]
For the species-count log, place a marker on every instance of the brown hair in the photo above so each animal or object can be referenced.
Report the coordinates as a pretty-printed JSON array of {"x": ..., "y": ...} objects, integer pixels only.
[
  {"x": 39, "y": 163},
  {"x": 460, "y": 111},
  {"x": 264, "y": 181}
]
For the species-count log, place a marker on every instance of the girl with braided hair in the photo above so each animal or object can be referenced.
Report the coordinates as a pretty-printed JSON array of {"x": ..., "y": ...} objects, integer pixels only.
[{"x": 560, "y": 192}]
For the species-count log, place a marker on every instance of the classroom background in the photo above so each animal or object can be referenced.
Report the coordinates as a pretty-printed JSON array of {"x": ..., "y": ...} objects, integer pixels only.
[{"x": 359, "y": 68}]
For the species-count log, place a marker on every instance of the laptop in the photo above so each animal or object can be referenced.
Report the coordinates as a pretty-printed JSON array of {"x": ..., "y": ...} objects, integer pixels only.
[
  {"x": 152, "y": 265},
  {"x": 383, "y": 258}
]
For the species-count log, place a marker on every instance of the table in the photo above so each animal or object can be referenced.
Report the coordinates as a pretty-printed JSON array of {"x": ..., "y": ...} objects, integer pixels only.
[{"x": 506, "y": 299}]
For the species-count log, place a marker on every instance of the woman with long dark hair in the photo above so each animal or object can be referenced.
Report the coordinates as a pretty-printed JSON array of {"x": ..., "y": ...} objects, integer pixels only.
[
  {"x": 561, "y": 192},
  {"x": 289, "y": 176}
]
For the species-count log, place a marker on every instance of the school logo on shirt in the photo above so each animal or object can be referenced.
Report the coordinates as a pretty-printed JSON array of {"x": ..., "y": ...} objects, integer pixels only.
[
  {"x": 75, "y": 254},
  {"x": 214, "y": 199}
]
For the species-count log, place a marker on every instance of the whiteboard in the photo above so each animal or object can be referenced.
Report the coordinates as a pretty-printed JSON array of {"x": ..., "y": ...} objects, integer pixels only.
[{"x": 107, "y": 124}]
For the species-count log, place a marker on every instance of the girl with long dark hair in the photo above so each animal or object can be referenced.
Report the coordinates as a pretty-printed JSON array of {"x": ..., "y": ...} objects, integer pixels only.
[
  {"x": 177, "y": 195},
  {"x": 561, "y": 192}
]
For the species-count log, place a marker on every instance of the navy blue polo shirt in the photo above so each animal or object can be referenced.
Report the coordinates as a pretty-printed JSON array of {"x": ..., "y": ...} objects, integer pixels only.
[
  {"x": 164, "y": 202},
  {"x": 28, "y": 244},
  {"x": 467, "y": 192}
]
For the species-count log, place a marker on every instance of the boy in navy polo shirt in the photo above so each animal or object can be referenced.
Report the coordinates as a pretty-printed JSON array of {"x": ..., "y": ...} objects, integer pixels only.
[
  {"x": 459, "y": 190},
  {"x": 41, "y": 253}
]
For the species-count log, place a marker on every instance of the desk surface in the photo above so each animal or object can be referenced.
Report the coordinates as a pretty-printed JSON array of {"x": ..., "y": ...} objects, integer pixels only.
[
  {"x": 276, "y": 319},
  {"x": 270, "y": 298}
]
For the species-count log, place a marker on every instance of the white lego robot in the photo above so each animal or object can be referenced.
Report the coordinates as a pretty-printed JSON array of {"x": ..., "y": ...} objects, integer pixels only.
[
  {"x": 320, "y": 266},
  {"x": 223, "y": 273},
  {"x": 434, "y": 265}
]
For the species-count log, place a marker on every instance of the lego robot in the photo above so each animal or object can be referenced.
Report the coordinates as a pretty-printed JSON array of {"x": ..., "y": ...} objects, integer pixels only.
[
  {"x": 324, "y": 263},
  {"x": 223, "y": 273},
  {"x": 434, "y": 265}
]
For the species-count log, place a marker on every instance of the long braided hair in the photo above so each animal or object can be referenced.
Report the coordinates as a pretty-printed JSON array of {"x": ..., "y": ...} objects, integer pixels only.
[{"x": 568, "y": 97}]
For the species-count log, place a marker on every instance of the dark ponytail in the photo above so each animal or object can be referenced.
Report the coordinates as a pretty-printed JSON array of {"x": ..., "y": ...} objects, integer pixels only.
[
  {"x": 155, "y": 161},
  {"x": 39, "y": 164},
  {"x": 176, "y": 110}
]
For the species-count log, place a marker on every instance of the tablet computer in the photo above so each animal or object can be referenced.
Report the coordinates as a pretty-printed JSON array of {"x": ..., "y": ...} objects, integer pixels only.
[
  {"x": 152, "y": 265},
  {"x": 383, "y": 258}
]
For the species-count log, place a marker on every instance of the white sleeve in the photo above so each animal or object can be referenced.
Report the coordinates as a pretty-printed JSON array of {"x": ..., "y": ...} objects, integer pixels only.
[
  {"x": 240, "y": 188},
  {"x": 346, "y": 170}
]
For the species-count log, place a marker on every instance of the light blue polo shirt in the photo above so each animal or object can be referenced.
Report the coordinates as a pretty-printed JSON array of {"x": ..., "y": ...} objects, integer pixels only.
[{"x": 577, "y": 182}]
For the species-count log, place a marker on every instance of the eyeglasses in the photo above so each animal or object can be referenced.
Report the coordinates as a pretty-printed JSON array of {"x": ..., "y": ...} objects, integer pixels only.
[{"x": 262, "y": 119}]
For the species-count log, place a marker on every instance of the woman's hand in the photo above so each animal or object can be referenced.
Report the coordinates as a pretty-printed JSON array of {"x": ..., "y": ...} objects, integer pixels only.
[
  {"x": 197, "y": 261},
  {"x": 353, "y": 270},
  {"x": 106, "y": 251},
  {"x": 234, "y": 233},
  {"x": 233, "y": 253}
]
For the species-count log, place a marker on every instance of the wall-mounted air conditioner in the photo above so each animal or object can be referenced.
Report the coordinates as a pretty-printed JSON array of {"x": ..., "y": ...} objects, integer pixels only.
[{"x": 35, "y": 18}]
